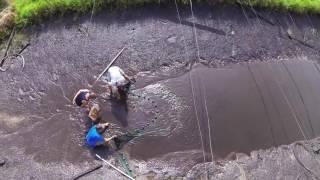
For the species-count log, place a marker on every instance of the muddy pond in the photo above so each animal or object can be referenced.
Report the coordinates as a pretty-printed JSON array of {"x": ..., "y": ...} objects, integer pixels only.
[{"x": 249, "y": 90}]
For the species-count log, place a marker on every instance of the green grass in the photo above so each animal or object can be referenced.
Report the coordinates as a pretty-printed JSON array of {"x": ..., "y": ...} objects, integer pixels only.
[
  {"x": 299, "y": 6},
  {"x": 30, "y": 11}
]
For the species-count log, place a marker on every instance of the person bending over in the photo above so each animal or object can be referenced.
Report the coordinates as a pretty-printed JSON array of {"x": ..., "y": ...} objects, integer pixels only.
[
  {"x": 118, "y": 82},
  {"x": 95, "y": 136},
  {"x": 82, "y": 97}
]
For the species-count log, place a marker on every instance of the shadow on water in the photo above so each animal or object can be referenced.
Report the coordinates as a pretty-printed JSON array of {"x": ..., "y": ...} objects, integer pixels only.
[{"x": 119, "y": 109}]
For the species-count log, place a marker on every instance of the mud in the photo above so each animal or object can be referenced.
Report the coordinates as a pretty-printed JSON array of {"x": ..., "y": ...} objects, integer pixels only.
[{"x": 249, "y": 106}]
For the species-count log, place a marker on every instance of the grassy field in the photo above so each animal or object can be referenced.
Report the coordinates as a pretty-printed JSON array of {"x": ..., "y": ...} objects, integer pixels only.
[
  {"x": 33, "y": 11},
  {"x": 29, "y": 11},
  {"x": 299, "y": 6}
]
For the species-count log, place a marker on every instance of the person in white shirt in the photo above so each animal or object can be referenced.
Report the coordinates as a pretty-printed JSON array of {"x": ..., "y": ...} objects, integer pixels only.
[{"x": 118, "y": 82}]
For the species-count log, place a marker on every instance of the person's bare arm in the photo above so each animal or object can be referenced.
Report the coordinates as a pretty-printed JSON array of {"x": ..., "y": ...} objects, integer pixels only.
[
  {"x": 107, "y": 140},
  {"x": 92, "y": 115},
  {"x": 128, "y": 78},
  {"x": 74, "y": 98}
]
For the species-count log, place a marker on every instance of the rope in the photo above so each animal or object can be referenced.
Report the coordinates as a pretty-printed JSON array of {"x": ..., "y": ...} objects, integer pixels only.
[
  {"x": 244, "y": 13},
  {"x": 300, "y": 96},
  {"x": 92, "y": 11},
  {"x": 13, "y": 32},
  {"x": 290, "y": 107},
  {"x": 208, "y": 119},
  {"x": 191, "y": 83},
  {"x": 274, "y": 105},
  {"x": 190, "y": 74},
  {"x": 195, "y": 30},
  {"x": 255, "y": 13},
  {"x": 263, "y": 102},
  {"x": 197, "y": 116},
  {"x": 192, "y": 89},
  {"x": 183, "y": 38}
]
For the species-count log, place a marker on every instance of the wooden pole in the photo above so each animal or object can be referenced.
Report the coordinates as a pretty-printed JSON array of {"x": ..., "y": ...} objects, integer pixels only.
[
  {"x": 114, "y": 167},
  {"x": 110, "y": 64}
]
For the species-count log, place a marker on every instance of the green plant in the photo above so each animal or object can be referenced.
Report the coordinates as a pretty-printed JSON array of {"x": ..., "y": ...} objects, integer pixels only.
[{"x": 300, "y": 6}]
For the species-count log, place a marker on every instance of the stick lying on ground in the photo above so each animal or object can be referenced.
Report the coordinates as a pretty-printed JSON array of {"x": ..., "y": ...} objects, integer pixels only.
[
  {"x": 110, "y": 64},
  {"x": 87, "y": 172},
  {"x": 114, "y": 167}
]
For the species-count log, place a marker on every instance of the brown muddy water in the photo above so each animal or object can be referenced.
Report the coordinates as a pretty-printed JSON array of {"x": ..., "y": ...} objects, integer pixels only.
[
  {"x": 241, "y": 108},
  {"x": 229, "y": 103}
]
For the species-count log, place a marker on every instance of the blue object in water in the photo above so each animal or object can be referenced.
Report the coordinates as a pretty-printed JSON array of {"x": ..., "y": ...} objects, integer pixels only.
[{"x": 93, "y": 137}]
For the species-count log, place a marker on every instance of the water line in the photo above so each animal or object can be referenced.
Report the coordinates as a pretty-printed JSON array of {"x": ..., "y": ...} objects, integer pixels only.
[{"x": 208, "y": 118}]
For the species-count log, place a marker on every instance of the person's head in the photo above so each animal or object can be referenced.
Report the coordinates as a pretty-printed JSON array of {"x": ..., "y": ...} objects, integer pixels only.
[{"x": 101, "y": 128}]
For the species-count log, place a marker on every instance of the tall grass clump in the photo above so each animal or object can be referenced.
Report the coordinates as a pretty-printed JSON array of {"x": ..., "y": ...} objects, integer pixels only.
[
  {"x": 29, "y": 11},
  {"x": 299, "y": 6}
]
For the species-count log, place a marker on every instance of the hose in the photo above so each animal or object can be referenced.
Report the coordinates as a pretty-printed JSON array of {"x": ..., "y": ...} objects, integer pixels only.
[{"x": 14, "y": 56}]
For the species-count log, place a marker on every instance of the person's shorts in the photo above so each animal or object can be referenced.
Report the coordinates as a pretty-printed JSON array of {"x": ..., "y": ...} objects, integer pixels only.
[{"x": 123, "y": 89}]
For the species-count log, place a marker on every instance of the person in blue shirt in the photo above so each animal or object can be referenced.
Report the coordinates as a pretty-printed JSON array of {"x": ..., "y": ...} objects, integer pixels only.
[{"x": 95, "y": 136}]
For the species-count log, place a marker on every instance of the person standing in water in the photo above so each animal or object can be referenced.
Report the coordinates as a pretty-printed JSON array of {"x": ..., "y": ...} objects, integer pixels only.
[
  {"x": 83, "y": 97},
  {"x": 95, "y": 136},
  {"x": 118, "y": 82}
]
